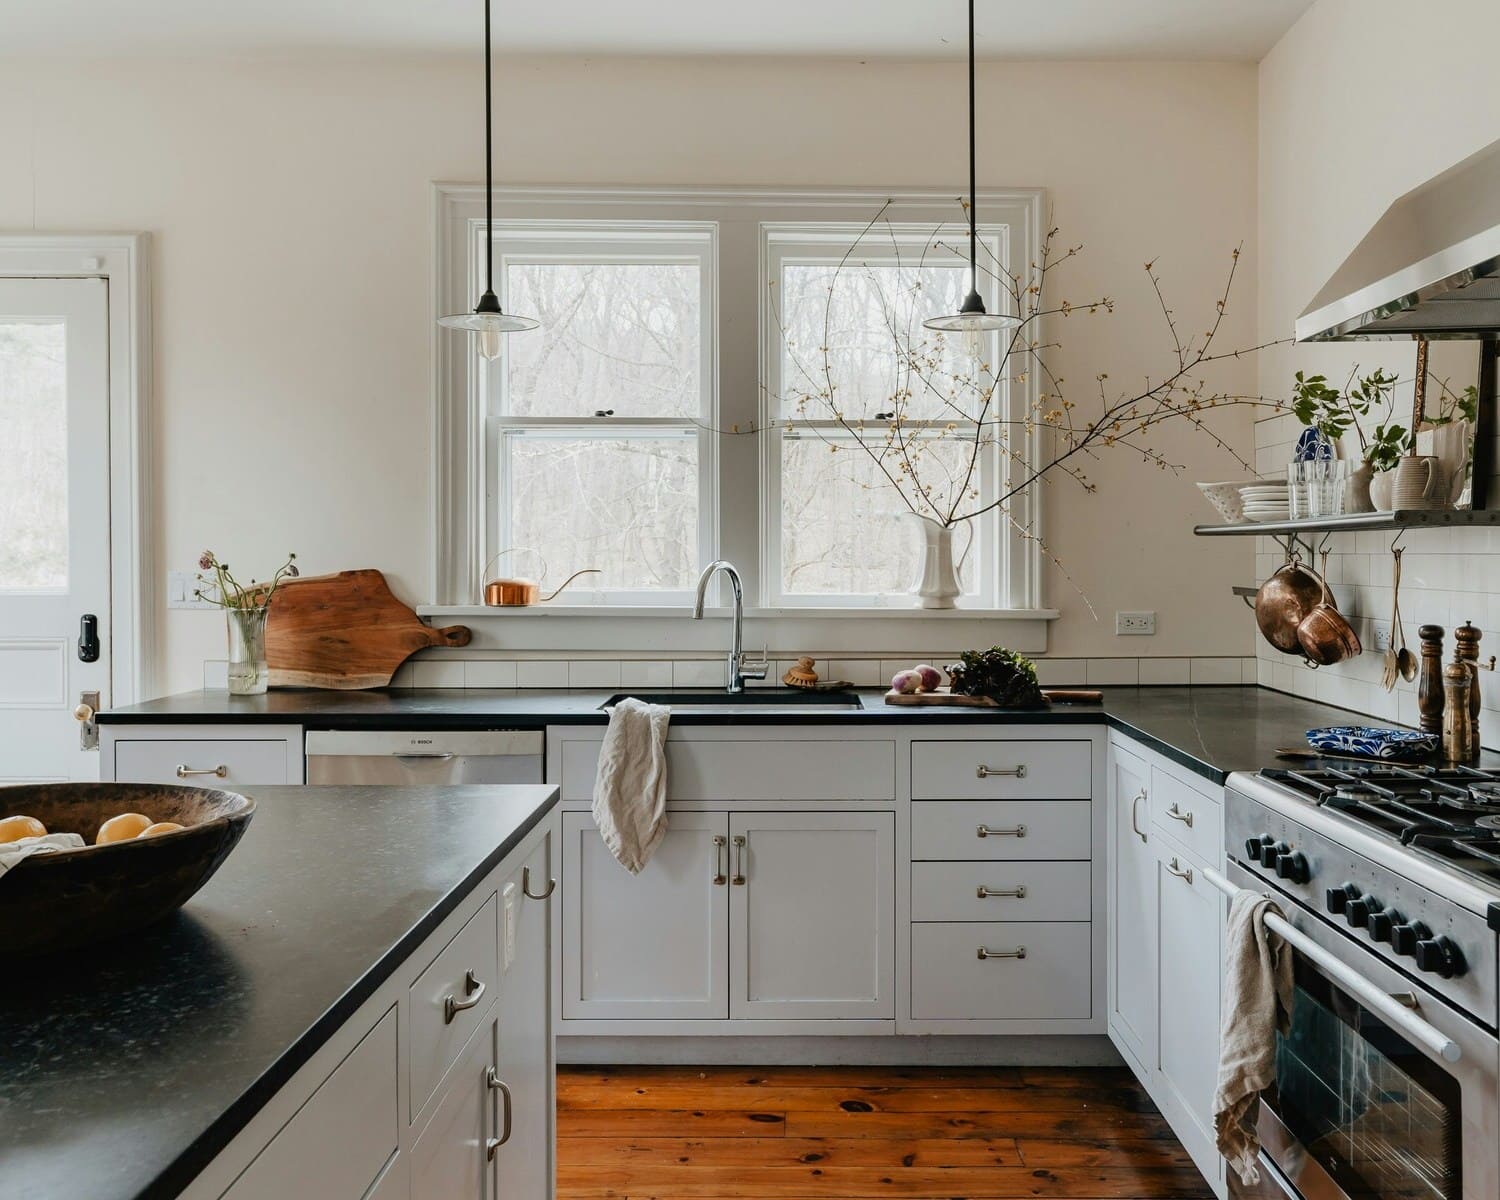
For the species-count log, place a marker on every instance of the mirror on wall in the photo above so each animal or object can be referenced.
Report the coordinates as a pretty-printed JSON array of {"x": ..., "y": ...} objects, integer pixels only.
[{"x": 1455, "y": 420}]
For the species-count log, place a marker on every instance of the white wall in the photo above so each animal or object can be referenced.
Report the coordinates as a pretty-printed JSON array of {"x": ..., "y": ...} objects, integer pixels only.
[
  {"x": 289, "y": 203},
  {"x": 1361, "y": 101}
]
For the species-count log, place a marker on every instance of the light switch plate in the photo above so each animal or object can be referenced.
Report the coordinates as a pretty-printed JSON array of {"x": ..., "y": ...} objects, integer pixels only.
[
  {"x": 508, "y": 901},
  {"x": 180, "y": 588},
  {"x": 1135, "y": 624}
]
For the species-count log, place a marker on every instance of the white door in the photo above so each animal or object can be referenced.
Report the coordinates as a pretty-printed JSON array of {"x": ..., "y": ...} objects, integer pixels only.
[
  {"x": 812, "y": 909},
  {"x": 54, "y": 521},
  {"x": 651, "y": 946},
  {"x": 1132, "y": 912},
  {"x": 524, "y": 1163}
]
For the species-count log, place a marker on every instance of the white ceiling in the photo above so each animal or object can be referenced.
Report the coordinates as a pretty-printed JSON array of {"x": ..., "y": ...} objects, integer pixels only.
[{"x": 1015, "y": 29}]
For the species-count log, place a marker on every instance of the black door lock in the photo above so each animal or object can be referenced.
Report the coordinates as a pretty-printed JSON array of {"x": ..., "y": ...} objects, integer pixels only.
[{"x": 88, "y": 638}]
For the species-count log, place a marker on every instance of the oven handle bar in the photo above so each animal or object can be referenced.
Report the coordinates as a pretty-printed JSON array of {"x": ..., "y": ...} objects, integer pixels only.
[{"x": 1390, "y": 1009}]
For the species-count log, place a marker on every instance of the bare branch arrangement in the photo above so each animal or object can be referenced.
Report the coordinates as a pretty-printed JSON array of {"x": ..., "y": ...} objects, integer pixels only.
[{"x": 944, "y": 408}]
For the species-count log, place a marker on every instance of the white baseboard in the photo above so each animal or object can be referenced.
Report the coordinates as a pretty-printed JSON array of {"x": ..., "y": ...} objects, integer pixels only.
[{"x": 839, "y": 1052}]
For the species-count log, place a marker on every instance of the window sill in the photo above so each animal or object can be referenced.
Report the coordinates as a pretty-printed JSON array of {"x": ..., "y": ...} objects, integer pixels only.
[{"x": 443, "y": 612}]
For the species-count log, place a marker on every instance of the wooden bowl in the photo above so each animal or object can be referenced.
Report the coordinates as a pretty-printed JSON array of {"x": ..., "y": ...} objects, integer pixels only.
[{"x": 53, "y": 901}]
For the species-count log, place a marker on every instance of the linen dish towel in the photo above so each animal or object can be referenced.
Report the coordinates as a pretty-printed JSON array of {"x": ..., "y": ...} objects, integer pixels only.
[
  {"x": 630, "y": 790},
  {"x": 12, "y": 853},
  {"x": 1257, "y": 1003}
]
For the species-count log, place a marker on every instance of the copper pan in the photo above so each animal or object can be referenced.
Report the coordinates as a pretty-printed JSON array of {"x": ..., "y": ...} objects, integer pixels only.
[
  {"x": 1324, "y": 635},
  {"x": 1284, "y": 602}
]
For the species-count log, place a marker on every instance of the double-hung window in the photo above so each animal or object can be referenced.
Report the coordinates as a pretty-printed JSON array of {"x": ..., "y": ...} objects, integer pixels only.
[{"x": 599, "y": 446}]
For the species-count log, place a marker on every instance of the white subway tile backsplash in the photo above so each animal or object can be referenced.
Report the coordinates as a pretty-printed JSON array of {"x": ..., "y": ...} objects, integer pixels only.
[
  {"x": 1159, "y": 671},
  {"x": 646, "y": 674},
  {"x": 489, "y": 673},
  {"x": 699, "y": 674},
  {"x": 1104, "y": 672},
  {"x": 544, "y": 673},
  {"x": 861, "y": 672},
  {"x": 437, "y": 673},
  {"x": 1214, "y": 671},
  {"x": 1062, "y": 672},
  {"x": 594, "y": 673}
]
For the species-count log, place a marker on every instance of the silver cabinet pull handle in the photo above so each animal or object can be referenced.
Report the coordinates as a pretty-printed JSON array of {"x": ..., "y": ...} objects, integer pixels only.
[
  {"x": 984, "y": 772},
  {"x": 473, "y": 993},
  {"x": 1178, "y": 815},
  {"x": 1183, "y": 873},
  {"x": 184, "y": 771},
  {"x": 739, "y": 860},
  {"x": 407, "y": 758},
  {"x": 1018, "y": 952},
  {"x": 526, "y": 886},
  {"x": 984, "y": 893},
  {"x": 493, "y": 1081},
  {"x": 987, "y": 831},
  {"x": 1135, "y": 804},
  {"x": 720, "y": 841}
]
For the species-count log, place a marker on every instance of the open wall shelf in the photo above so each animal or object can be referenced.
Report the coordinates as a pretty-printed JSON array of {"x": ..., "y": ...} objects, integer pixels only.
[{"x": 1404, "y": 519}]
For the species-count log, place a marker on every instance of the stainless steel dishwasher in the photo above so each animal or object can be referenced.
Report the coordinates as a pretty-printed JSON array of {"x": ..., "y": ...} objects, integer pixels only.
[{"x": 424, "y": 757}]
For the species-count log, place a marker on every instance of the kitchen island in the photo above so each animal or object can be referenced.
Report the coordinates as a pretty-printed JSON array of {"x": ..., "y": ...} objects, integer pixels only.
[{"x": 204, "y": 1055}]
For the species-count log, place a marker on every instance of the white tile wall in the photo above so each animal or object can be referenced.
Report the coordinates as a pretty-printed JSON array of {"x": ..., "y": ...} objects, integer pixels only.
[{"x": 1448, "y": 576}]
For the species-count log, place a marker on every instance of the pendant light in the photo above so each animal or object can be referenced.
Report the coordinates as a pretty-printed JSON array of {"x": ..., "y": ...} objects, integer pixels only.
[
  {"x": 971, "y": 318},
  {"x": 487, "y": 320}
]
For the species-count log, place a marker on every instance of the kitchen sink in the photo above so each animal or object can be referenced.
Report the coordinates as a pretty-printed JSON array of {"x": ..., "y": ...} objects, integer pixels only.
[{"x": 757, "y": 700}]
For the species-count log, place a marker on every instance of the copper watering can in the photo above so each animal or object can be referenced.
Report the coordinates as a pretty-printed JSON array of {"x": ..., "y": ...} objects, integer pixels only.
[{"x": 520, "y": 592}]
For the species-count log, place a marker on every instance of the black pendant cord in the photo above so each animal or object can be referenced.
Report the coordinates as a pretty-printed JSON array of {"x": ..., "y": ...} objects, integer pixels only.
[
  {"x": 489, "y": 166},
  {"x": 973, "y": 187}
]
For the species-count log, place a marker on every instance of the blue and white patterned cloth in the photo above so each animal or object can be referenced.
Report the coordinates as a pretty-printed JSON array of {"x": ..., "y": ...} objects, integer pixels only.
[{"x": 1372, "y": 741}]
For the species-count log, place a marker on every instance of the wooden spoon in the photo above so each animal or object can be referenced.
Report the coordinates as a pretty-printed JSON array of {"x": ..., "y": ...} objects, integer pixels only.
[{"x": 1391, "y": 668}]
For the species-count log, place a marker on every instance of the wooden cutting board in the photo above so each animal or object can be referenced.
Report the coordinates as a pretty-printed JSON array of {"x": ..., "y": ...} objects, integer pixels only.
[
  {"x": 943, "y": 697},
  {"x": 345, "y": 631}
]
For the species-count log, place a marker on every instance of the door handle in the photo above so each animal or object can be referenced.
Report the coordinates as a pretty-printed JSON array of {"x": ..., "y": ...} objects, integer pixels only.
[
  {"x": 984, "y": 772},
  {"x": 473, "y": 993},
  {"x": 739, "y": 860},
  {"x": 720, "y": 841},
  {"x": 984, "y": 955},
  {"x": 989, "y": 831},
  {"x": 984, "y": 893},
  {"x": 1183, "y": 873},
  {"x": 88, "y": 638},
  {"x": 1134, "y": 805},
  {"x": 526, "y": 886},
  {"x": 493, "y": 1081},
  {"x": 1178, "y": 814}
]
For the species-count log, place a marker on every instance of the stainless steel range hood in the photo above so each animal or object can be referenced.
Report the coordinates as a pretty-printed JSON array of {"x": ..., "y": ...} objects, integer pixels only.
[{"x": 1429, "y": 268}]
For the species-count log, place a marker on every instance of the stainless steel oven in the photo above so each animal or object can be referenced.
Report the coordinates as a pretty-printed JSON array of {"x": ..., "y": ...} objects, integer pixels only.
[{"x": 1369, "y": 1107}]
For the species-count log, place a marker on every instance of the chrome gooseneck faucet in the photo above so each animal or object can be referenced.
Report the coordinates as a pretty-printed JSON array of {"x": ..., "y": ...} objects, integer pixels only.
[{"x": 739, "y": 669}]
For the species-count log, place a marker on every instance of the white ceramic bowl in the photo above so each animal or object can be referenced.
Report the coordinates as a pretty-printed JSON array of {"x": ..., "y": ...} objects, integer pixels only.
[{"x": 1225, "y": 497}]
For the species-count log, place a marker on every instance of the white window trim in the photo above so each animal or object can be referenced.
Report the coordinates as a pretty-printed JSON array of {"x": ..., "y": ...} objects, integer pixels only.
[
  {"x": 457, "y": 450},
  {"x": 122, "y": 261}
]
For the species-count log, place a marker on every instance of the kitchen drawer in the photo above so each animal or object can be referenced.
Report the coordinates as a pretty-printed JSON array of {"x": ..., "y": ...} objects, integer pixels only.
[
  {"x": 437, "y": 1035},
  {"x": 209, "y": 763},
  {"x": 969, "y": 770},
  {"x": 1187, "y": 816},
  {"x": 951, "y": 982},
  {"x": 950, "y": 829},
  {"x": 754, "y": 769},
  {"x": 949, "y": 891},
  {"x": 339, "y": 1141}
]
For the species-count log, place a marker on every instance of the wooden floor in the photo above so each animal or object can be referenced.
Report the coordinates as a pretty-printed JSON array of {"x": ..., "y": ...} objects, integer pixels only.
[{"x": 799, "y": 1133}]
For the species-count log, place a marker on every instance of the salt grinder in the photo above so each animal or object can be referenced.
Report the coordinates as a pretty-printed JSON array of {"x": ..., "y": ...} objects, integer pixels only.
[
  {"x": 1430, "y": 685},
  {"x": 1458, "y": 730},
  {"x": 1466, "y": 650}
]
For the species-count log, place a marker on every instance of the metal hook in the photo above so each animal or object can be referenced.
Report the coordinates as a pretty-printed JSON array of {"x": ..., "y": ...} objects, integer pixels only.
[{"x": 1396, "y": 541}]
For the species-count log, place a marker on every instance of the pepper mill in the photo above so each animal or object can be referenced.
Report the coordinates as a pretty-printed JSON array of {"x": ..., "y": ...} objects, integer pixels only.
[
  {"x": 1430, "y": 685},
  {"x": 1458, "y": 730},
  {"x": 1466, "y": 650}
]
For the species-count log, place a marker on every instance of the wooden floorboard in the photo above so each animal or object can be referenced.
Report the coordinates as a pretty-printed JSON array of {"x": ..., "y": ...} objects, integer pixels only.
[{"x": 859, "y": 1133}]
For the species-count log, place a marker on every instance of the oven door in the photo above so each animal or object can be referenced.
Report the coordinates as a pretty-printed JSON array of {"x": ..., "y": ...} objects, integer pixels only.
[{"x": 1360, "y": 1112}]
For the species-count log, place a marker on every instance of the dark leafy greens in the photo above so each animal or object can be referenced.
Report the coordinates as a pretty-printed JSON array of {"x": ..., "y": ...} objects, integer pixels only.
[{"x": 1007, "y": 678}]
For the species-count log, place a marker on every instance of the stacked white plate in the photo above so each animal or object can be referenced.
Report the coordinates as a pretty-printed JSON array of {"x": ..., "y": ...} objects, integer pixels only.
[{"x": 1265, "y": 502}]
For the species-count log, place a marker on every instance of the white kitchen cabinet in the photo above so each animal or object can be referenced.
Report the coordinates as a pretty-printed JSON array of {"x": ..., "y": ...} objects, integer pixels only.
[
  {"x": 652, "y": 946},
  {"x": 1132, "y": 911},
  {"x": 450, "y": 1159},
  {"x": 207, "y": 755},
  {"x": 812, "y": 930},
  {"x": 1190, "y": 920},
  {"x": 527, "y": 1061}
]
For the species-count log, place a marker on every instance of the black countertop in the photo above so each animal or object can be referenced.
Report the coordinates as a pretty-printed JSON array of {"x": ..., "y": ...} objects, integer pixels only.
[
  {"x": 1210, "y": 730},
  {"x": 123, "y": 1071}
]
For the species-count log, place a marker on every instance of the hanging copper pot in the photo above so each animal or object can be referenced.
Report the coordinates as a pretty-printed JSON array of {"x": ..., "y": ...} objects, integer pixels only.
[
  {"x": 1324, "y": 635},
  {"x": 1283, "y": 603}
]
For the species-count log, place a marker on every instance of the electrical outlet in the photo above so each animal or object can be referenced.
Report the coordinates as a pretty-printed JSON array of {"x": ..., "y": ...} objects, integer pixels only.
[
  {"x": 1382, "y": 637},
  {"x": 1135, "y": 624},
  {"x": 180, "y": 588}
]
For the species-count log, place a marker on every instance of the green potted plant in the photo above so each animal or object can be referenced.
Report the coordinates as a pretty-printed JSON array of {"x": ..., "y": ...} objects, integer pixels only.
[{"x": 1334, "y": 413}]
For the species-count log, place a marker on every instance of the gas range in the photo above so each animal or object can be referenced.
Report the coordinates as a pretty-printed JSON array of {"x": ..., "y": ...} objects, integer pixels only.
[{"x": 1405, "y": 860}]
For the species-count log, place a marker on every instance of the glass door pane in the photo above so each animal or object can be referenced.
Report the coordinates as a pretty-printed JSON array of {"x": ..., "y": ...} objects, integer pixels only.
[{"x": 33, "y": 455}]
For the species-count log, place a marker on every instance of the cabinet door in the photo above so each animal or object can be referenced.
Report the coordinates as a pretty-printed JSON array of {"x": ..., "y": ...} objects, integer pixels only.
[
  {"x": 812, "y": 915},
  {"x": 449, "y": 1160},
  {"x": 524, "y": 1163},
  {"x": 1190, "y": 918},
  {"x": 1132, "y": 912},
  {"x": 651, "y": 946}
]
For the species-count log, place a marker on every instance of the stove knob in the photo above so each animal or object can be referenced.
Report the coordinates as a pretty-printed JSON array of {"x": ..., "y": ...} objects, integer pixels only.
[
  {"x": 1270, "y": 856},
  {"x": 1404, "y": 938},
  {"x": 1357, "y": 912},
  {"x": 1294, "y": 867},
  {"x": 1335, "y": 899},
  {"x": 1441, "y": 956},
  {"x": 1383, "y": 924},
  {"x": 1252, "y": 849}
]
